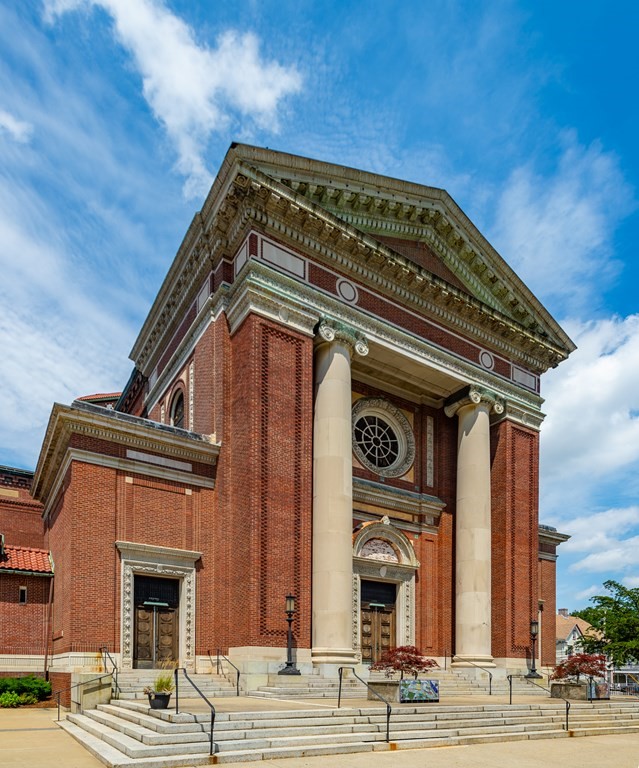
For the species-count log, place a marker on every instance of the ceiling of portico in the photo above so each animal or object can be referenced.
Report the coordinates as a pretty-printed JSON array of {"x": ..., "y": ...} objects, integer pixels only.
[{"x": 405, "y": 376}]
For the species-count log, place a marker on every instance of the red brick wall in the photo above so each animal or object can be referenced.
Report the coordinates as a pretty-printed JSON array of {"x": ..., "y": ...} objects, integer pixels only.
[
  {"x": 60, "y": 681},
  {"x": 267, "y": 443},
  {"x": 514, "y": 479},
  {"x": 547, "y": 593},
  {"x": 23, "y": 626},
  {"x": 20, "y": 517}
]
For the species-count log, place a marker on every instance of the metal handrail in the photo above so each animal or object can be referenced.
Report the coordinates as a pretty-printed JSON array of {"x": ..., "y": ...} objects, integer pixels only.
[
  {"x": 114, "y": 671},
  {"x": 490, "y": 675},
  {"x": 543, "y": 688},
  {"x": 77, "y": 685},
  {"x": 177, "y": 702},
  {"x": 389, "y": 709},
  {"x": 218, "y": 667}
]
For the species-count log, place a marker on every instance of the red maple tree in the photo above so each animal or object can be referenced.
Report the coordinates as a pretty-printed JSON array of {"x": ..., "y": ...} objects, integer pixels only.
[
  {"x": 586, "y": 664},
  {"x": 405, "y": 659}
]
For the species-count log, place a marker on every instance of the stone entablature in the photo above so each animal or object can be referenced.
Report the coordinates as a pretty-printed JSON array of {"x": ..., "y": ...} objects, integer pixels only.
[
  {"x": 144, "y": 447},
  {"x": 282, "y": 298}
]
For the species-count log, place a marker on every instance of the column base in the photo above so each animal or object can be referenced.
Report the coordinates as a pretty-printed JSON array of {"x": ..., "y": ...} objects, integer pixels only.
[
  {"x": 472, "y": 660},
  {"x": 339, "y": 657}
]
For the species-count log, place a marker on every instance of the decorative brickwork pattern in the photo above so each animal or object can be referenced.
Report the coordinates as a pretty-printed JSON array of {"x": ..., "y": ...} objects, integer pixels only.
[{"x": 515, "y": 538}]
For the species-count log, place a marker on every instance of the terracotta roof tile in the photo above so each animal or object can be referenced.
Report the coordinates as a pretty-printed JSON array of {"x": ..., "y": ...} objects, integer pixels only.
[
  {"x": 101, "y": 396},
  {"x": 25, "y": 559}
]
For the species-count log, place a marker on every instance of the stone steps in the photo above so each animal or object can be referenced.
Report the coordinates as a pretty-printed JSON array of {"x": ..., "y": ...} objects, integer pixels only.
[
  {"x": 127, "y": 733},
  {"x": 131, "y": 684}
]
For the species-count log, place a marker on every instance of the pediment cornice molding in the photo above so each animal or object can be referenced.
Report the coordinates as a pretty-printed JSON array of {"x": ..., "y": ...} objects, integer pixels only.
[{"x": 250, "y": 198}]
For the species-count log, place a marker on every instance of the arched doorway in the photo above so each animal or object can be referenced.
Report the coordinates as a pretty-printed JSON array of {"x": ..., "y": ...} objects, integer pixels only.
[{"x": 384, "y": 566}]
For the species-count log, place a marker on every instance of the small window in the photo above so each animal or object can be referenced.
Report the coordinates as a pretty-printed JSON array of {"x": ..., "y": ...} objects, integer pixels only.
[
  {"x": 177, "y": 411},
  {"x": 22, "y": 596}
]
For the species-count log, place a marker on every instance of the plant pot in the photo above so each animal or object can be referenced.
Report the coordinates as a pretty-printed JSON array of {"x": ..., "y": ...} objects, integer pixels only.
[
  {"x": 159, "y": 700},
  {"x": 572, "y": 691}
]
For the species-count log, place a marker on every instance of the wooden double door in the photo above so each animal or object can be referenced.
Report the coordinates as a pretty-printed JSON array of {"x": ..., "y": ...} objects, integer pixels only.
[
  {"x": 156, "y": 622},
  {"x": 377, "y": 619}
]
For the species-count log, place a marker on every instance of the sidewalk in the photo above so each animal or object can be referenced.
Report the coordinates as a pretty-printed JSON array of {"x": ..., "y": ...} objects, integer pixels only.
[{"x": 30, "y": 738}]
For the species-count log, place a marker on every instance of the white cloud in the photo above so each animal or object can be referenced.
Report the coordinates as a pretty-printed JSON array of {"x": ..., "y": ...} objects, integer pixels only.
[
  {"x": 19, "y": 130},
  {"x": 195, "y": 90},
  {"x": 557, "y": 229},
  {"x": 585, "y": 594},
  {"x": 600, "y": 530},
  {"x": 615, "y": 559},
  {"x": 57, "y": 341},
  {"x": 591, "y": 434}
]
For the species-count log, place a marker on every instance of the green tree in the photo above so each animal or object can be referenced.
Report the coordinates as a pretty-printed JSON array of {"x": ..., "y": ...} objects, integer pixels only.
[{"x": 615, "y": 619}]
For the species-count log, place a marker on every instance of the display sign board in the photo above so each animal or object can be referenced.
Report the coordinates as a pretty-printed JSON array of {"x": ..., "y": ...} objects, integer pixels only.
[{"x": 418, "y": 690}]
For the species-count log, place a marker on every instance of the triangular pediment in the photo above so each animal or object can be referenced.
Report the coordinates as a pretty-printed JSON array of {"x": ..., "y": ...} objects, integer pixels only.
[{"x": 421, "y": 224}]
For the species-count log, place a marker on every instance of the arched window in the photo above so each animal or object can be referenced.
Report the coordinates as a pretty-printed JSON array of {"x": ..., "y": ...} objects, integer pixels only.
[{"x": 177, "y": 411}]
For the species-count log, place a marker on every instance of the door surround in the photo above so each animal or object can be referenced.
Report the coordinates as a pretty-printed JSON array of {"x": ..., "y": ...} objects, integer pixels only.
[
  {"x": 399, "y": 567},
  {"x": 145, "y": 559}
]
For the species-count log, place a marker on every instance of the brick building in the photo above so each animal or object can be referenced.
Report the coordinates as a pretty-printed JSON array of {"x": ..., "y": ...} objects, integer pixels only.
[{"x": 335, "y": 395}]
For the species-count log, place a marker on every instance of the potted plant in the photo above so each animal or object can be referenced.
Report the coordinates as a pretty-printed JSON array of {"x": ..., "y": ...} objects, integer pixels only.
[
  {"x": 405, "y": 660},
  {"x": 160, "y": 693},
  {"x": 574, "y": 674}
]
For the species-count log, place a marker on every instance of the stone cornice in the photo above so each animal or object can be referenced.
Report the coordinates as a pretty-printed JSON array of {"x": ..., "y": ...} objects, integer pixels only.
[
  {"x": 100, "y": 423},
  {"x": 243, "y": 194},
  {"x": 275, "y": 289},
  {"x": 549, "y": 535},
  {"x": 429, "y": 508},
  {"x": 132, "y": 550}
]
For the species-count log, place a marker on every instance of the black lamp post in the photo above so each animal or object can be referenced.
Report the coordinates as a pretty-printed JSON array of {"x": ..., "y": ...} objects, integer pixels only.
[
  {"x": 290, "y": 668},
  {"x": 534, "y": 631}
]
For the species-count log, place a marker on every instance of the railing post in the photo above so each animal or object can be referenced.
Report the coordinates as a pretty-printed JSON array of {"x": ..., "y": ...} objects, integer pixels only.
[
  {"x": 388, "y": 714},
  {"x": 218, "y": 662},
  {"x": 58, "y": 698},
  {"x": 510, "y": 688},
  {"x": 567, "y": 711},
  {"x": 490, "y": 683},
  {"x": 177, "y": 692},
  {"x": 339, "y": 691}
]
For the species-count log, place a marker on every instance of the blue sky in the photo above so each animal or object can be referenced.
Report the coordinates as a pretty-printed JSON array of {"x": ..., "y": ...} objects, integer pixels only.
[{"x": 115, "y": 114}]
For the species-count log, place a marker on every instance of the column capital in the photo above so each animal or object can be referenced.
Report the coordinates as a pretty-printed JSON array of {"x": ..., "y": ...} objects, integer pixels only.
[
  {"x": 333, "y": 330},
  {"x": 474, "y": 395}
]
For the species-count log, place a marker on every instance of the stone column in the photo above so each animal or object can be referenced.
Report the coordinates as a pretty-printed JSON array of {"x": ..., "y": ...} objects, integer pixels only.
[
  {"x": 333, "y": 496},
  {"x": 473, "y": 527}
]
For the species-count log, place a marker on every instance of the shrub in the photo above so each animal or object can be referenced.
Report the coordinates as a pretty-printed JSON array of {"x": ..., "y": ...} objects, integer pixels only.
[
  {"x": 27, "y": 698},
  {"x": 406, "y": 659},
  {"x": 9, "y": 699},
  {"x": 586, "y": 664},
  {"x": 35, "y": 686},
  {"x": 31, "y": 684}
]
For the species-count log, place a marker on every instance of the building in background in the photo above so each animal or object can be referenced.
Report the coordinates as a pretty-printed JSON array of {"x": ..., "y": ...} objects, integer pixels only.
[
  {"x": 570, "y": 630},
  {"x": 336, "y": 396}
]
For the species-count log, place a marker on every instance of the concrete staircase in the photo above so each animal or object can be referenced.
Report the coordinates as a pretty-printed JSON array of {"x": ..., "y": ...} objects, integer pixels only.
[
  {"x": 451, "y": 684},
  {"x": 132, "y": 683},
  {"x": 127, "y": 733}
]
